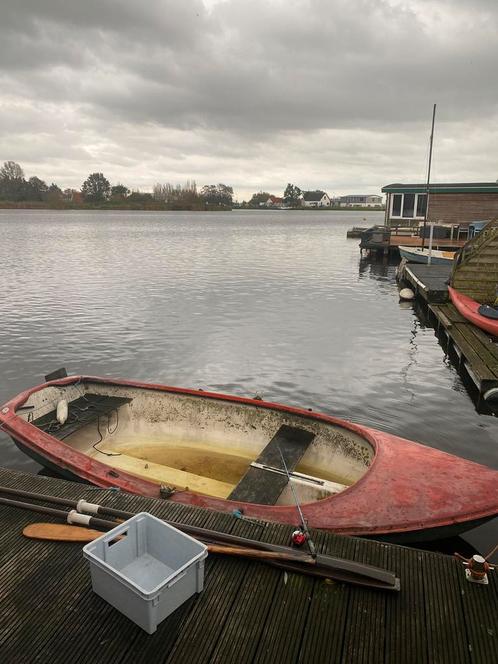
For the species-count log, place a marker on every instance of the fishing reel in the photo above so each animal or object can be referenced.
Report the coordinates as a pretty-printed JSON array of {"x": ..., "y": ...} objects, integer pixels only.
[{"x": 299, "y": 537}]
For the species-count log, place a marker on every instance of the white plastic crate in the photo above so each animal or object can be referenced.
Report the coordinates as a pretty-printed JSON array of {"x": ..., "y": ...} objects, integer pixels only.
[{"x": 146, "y": 568}]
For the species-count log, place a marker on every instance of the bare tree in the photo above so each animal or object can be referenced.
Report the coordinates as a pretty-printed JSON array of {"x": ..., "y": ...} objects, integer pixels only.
[
  {"x": 11, "y": 171},
  {"x": 176, "y": 194}
]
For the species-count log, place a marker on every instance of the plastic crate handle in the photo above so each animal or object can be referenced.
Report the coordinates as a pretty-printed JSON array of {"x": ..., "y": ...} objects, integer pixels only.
[
  {"x": 177, "y": 578},
  {"x": 115, "y": 535}
]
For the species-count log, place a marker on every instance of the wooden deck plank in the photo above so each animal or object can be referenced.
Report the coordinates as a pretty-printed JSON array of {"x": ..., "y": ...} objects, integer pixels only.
[
  {"x": 480, "y": 357},
  {"x": 405, "y": 613},
  {"x": 248, "y": 612},
  {"x": 452, "y": 314},
  {"x": 242, "y": 630},
  {"x": 481, "y": 619},
  {"x": 203, "y": 639},
  {"x": 485, "y": 351},
  {"x": 481, "y": 370},
  {"x": 326, "y": 623},
  {"x": 445, "y": 622},
  {"x": 430, "y": 281},
  {"x": 366, "y": 632},
  {"x": 477, "y": 338}
]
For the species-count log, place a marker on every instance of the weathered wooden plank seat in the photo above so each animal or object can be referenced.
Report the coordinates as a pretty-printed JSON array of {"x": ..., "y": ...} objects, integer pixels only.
[
  {"x": 81, "y": 411},
  {"x": 263, "y": 486}
]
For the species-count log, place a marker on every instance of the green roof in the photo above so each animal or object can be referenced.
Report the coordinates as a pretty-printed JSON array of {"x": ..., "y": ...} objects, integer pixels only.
[{"x": 444, "y": 188}]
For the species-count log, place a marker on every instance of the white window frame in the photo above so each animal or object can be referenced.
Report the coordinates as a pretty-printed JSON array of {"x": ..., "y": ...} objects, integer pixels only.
[{"x": 399, "y": 193}]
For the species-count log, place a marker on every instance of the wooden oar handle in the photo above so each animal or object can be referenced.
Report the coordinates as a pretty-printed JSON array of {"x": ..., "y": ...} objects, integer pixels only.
[{"x": 256, "y": 553}]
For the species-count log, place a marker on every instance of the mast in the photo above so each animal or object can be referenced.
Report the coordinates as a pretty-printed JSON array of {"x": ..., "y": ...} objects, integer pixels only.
[{"x": 428, "y": 175}]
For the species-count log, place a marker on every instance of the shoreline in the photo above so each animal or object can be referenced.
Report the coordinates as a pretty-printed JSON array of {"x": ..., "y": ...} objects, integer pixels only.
[
  {"x": 30, "y": 205},
  {"x": 27, "y": 205}
]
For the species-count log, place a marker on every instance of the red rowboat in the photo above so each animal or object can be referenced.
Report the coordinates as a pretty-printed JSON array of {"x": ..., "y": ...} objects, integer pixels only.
[
  {"x": 226, "y": 453},
  {"x": 469, "y": 309}
]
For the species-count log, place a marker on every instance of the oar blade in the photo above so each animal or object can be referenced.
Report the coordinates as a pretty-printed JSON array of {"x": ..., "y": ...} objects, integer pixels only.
[{"x": 60, "y": 532}]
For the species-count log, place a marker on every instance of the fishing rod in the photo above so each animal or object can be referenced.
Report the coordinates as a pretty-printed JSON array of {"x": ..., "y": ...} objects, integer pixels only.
[
  {"x": 304, "y": 525},
  {"x": 319, "y": 565}
]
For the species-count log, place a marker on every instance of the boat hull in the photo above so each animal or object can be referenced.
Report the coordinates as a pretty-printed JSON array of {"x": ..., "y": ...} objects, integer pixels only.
[
  {"x": 469, "y": 310},
  {"x": 409, "y": 493},
  {"x": 422, "y": 256}
]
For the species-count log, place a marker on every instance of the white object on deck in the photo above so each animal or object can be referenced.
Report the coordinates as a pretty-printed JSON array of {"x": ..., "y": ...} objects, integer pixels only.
[
  {"x": 62, "y": 411},
  {"x": 78, "y": 519},
  {"x": 146, "y": 569},
  {"x": 406, "y": 294},
  {"x": 89, "y": 508}
]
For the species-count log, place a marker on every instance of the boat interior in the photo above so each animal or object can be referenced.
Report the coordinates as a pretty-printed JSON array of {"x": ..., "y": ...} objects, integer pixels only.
[{"x": 207, "y": 445}]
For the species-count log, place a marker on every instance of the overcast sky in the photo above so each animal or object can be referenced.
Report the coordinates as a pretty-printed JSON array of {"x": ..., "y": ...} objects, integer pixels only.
[{"x": 331, "y": 94}]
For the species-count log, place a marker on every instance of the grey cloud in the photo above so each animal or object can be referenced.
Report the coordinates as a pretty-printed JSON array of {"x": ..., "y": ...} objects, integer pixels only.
[{"x": 114, "y": 80}]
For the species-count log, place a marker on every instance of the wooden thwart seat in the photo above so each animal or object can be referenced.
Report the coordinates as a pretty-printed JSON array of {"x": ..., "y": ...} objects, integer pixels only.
[
  {"x": 262, "y": 486},
  {"x": 81, "y": 412}
]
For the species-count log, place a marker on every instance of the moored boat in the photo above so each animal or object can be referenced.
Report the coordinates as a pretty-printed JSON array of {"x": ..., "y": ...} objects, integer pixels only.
[
  {"x": 225, "y": 453},
  {"x": 419, "y": 255},
  {"x": 356, "y": 231},
  {"x": 482, "y": 315}
]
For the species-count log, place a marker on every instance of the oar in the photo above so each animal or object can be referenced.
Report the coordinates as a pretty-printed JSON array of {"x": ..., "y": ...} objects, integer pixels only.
[
  {"x": 63, "y": 532},
  {"x": 70, "y": 517},
  {"x": 60, "y": 532},
  {"x": 324, "y": 566},
  {"x": 203, "y": 534}
]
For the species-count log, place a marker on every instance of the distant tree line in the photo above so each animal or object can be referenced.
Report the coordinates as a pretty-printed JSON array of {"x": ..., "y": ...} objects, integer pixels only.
[
  {"x": 96, "y": 190},
  {"x": 291, "y": 198},
  {"x": 210, "y": 194},
  {"x": 14, "y": 186}
]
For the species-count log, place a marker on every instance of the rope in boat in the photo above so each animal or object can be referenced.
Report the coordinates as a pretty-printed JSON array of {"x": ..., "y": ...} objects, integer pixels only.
[
  {"x": 488, "y": 555},
  {"x": 53, "y": 425},
  {"x": 109, "y": 454}
]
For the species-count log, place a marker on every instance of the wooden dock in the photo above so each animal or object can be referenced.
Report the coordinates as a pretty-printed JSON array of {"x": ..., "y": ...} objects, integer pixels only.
[
  {"x": 474, "y": 350},
  {"x": 248, "y": 612},
  {"x": 471, "y": 349},
  {"x": 381, "y": 241},
  {"x": 427, "y": 281}
]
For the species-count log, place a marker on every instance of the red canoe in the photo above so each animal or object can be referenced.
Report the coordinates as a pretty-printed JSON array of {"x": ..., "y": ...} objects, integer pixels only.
[
  {"x": 225, "y": 453},
  {"x": 469, "y": 309}
]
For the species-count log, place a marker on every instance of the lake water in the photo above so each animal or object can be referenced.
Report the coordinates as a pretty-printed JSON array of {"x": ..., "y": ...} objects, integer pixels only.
[{"x": 274, "y": 303}]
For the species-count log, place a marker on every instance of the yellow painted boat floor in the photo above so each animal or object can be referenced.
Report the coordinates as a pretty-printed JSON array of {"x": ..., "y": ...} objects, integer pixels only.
[
  {"x": 194, "y": 467},
  {"x": 210, "y": 462},
  {"x": 204, "y": 469}
]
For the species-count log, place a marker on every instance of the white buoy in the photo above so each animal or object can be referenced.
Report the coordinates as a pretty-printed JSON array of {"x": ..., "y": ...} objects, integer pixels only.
[
  {"x": 62, "y": 411},
  {"x": 406, "y": 294}
]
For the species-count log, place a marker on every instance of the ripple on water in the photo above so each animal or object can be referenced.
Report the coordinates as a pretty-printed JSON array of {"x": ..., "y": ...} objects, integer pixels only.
[{"x": 278, "y": 304}]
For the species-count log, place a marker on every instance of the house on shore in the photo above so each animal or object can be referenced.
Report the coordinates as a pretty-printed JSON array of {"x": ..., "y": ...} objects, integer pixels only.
[
  {"x": 449, "y": 203},
  {"x": 315, "y": 199},
  {"x": 274, "y": 201},
  {"x": 361, "y": 200}
]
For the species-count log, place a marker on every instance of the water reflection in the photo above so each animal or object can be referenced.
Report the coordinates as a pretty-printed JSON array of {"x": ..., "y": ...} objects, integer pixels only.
[{"x": 278, "y": 304}]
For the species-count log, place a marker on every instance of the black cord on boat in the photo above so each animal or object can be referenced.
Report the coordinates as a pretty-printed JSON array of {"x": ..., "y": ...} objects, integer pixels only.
[
  {"x": 109, "y": 454},
  {"x": 109, "y": 421}
]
